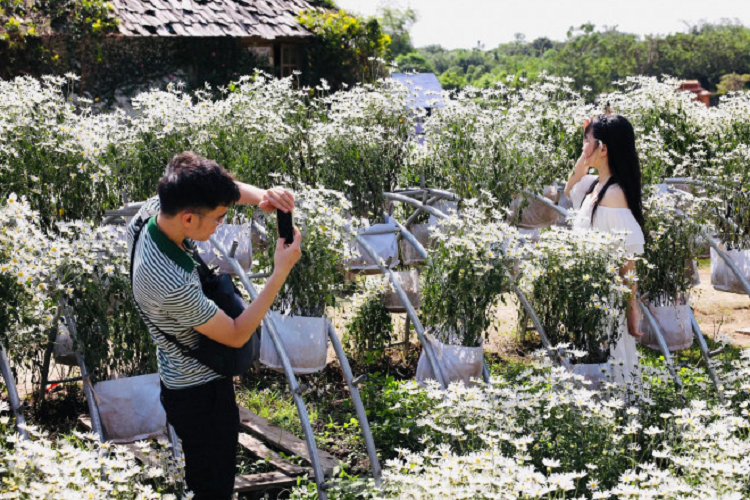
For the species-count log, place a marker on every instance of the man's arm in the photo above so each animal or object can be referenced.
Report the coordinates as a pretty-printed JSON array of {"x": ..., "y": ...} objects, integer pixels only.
[
  {"x": 267, "y": 199},
  {"x": 236, "y": 332}
]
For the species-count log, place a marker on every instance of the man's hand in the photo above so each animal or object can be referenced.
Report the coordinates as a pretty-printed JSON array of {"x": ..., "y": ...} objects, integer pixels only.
[
  {"x": 277, "y": 197},
  {"x": 286, "y": 256}
]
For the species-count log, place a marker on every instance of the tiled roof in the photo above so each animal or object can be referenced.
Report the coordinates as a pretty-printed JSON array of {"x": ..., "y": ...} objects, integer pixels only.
[{"x": 267, "y": 19}]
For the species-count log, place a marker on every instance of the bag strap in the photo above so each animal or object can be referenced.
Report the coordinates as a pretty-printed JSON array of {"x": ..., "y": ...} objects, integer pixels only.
[{"x": 137, "y": 228}]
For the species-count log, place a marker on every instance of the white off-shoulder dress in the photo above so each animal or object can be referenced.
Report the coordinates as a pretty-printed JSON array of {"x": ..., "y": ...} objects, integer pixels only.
[{"x": 624, "y": 355}]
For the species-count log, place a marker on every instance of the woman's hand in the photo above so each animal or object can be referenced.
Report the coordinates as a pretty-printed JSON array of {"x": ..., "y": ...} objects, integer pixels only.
[{"x": 277, "y": 198}]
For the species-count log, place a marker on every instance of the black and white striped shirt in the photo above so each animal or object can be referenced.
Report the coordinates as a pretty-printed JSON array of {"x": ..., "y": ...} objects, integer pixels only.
[{"x": 168, "y": 291}]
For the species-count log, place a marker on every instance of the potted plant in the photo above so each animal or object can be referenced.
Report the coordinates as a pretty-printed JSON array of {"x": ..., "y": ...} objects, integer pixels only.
[
  {"x": 572, "y": 280},
  {"x": 465, "y": 275},
  {"x": 666, "y": 272},
  {"x": 299, "y": 310}
]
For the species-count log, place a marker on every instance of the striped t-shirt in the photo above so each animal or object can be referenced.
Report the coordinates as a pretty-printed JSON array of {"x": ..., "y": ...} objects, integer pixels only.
[{"x": 168, "y": 291}]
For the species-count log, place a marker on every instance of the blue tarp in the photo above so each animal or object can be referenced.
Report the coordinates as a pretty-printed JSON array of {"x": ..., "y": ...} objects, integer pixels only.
[{"x": 424, "y": 87}]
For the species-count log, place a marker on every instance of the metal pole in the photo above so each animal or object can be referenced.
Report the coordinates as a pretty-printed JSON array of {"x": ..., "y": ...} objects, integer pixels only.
[
  {"x": 662, "y": 346},
  {"x": 547, "y": 202},
  {"x": 358, "y": 406},
  {"x": 409, "y": 309},
  {"x": 729, "y": 262},
  {"x": 561, "y": 358},
  {"x": 88, "y": 390},
  {"x": 15, "y": 401},
  {"x": 294, "y": 387},
  {"x": 412, "y": 240},
  {"x": 414, "y": 203},
  {"x": 416, "y": 213},
  {"x": 704, "y": 351}
]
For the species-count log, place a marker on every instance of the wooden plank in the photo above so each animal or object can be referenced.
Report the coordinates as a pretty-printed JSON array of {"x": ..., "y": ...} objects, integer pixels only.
[
  {"x": 122, "y": 211},
  {"x": 284, "y": 440},
  {"x": 264, "y": 453},
  {"x": 256, "y": 482}
]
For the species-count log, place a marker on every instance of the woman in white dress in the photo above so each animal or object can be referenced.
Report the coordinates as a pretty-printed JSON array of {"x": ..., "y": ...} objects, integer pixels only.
[{"x": 611, "y": 201}]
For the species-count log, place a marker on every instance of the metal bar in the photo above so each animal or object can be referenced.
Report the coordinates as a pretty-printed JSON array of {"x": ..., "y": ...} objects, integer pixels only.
[
  {"x": 294, "y": 386},
  {"x": 662, "y": 346},
  {"x": 728, "y": 260},
  {"x": 412, "y": 240},
  {"x": 706, "y": 356},
  {"x": 409, "y": 201},
  {"x": 485, "y": 371},
  {"x": 15, "y": 401},
  {"x": 548, "y": 202},
  {"x": 358, "y": 406},
  {"x": 561, "y": 358},
  {"x": 88, "y": 390},
  {"x": 409, "y": 310},
  {"x": 445, "y": 195},
  {"x": 416, "y": 213},
  {"x": 176, "y": 451},
  {"x": 64, "y": 380},
  {"x": 256, "y": 276},
  {"x": 372, "y": 232}
]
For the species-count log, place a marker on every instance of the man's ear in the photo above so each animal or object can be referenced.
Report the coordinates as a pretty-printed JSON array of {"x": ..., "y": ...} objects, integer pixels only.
[{"x": 187, "y": 219}]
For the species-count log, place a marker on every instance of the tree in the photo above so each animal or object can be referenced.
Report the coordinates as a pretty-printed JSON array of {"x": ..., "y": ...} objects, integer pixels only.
[
  {"x": 732, "y": 82},
  {"x": 414, "y": 61},
  {"x": 397, "y": 23}
]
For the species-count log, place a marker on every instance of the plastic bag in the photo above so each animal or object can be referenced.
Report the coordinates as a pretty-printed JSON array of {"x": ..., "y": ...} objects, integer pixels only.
[
  {"x": 305, "y": 341},
  {"x": 722, "y": 277},
  {"x": 596, "y": 373},
  {"x": 536, "y": 214},
  {"x": 63, "y": 350},
  {"x": 226, "y": 235},
  {"x": 675, "y": 325},
  {"x": 130, "y": 408},
  {"x": 409, "y": 281},
  {"x": 410, "y": 256},
  {"x": 385, "y": 245},
  {"x": 456, "y": 363}
]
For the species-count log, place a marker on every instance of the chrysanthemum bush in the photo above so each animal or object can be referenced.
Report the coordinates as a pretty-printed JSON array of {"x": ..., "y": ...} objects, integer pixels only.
[
  {"x": 673, "y": 224},
  {"x": 540, "y": 434},
  {"x": 323, "y": 216},
  {"x": 572, "y": 279},
  {"x": 501, "y": 140},
  {"x": 77, "y": 264},
  {"x": 78, "y": 466},
  {"x": 467, "y": 272}
]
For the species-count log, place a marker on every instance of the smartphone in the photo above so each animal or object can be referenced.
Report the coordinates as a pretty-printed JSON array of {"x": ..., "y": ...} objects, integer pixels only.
[{"x": 286, "y": 228}]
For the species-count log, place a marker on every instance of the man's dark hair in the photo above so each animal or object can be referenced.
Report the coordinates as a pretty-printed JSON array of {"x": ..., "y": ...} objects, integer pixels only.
[{"x": 194, "y": 182}]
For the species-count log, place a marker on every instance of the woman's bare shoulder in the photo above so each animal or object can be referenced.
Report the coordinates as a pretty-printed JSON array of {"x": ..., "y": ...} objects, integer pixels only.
[{"x": 614, "y": 197}]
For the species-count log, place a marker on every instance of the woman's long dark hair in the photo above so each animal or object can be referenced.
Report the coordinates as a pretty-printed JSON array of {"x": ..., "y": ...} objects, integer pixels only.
[{"x": 617, "y": 133}]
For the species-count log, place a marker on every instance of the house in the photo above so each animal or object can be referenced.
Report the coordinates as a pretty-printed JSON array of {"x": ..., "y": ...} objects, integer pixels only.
[
  {"x": 425, "y": 92},
  {"x": 695, "y": 87},
  {"x": 266, "y": 28}
]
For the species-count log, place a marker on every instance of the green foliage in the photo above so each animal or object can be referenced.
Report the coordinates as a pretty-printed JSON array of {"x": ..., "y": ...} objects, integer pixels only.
[
  {"x": 396, "y": 24},
  {"x": 370, "y": 331},
  {"x": 346, "y": 49},
  {"x": 732, "y": 82},
  {"x": 595, "y": 58},
  {"x": 414, "y": 61}
]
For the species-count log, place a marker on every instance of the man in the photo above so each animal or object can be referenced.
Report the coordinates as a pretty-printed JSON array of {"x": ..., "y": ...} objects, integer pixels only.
[{"x": 193, "y": 198}]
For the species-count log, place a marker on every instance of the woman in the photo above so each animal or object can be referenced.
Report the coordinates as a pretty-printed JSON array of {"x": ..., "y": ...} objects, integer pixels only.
[{"x": 611, "y": 201}]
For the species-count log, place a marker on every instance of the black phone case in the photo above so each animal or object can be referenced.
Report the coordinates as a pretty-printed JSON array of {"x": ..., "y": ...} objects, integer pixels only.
[{"x": 286, "y": 228}]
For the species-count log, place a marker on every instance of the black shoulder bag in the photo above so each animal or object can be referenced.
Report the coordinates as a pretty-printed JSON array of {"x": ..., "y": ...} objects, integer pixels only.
[{"x": 223, "y": 359}]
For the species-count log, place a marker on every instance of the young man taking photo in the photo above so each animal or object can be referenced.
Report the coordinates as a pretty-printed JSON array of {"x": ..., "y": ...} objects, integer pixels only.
[{"x": 193, "y": 198}]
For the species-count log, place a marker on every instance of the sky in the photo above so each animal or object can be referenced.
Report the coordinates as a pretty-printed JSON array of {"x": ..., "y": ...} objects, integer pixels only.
[{"x": 462, "y": 23}]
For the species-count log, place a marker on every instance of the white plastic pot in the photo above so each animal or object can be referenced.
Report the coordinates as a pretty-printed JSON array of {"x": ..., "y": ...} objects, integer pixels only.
[
  {"x": 305, "y": 341},
  {"x": 409, "y": 281},
  {"x": 410, "y": 256},
  {"x": 722, "y": 277},
  {"x": 130, "y": 408},
  {"x": 226, "y": 235},
  {"x": 596, "y": 373},
  {"x": 675, "y": 325},
  {"x": 456, "y": 363},
  {"x": 536, "y": 214},
  {"x": 385, "y": 246}
]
